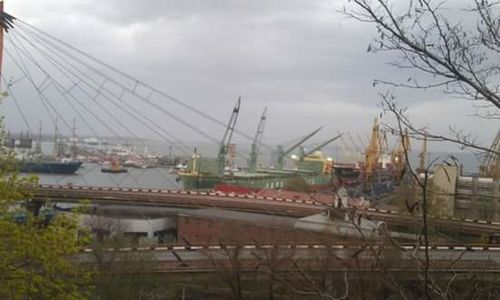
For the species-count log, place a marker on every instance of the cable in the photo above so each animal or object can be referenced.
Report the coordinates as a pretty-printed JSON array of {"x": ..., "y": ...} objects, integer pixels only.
[
  {"x": 138, "y": 96},
  {"x": 137, "y": 112},
  {"x": 59, "y": 86},
  {"x": 11, "y": 94},
  {"x": 136, "y": 81}
]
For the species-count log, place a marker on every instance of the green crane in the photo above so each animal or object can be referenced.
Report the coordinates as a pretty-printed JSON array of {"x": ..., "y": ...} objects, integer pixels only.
[
  {"x": 303, "y": 154},
  {"x": 226, "y": 140},
  {"x": 282, "y": 153},
  {"x": 257, "y": 142}
]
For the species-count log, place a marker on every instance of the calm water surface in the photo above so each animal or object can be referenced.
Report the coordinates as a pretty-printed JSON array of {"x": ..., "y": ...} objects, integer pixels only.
[{"x": 90, "y": 174}]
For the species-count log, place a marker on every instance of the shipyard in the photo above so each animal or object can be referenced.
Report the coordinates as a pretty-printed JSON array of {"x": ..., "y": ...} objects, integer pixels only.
[{"x": 249, "y": 150}]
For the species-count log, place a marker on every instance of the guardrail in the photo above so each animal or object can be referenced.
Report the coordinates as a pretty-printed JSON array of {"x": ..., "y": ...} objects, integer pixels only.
[
  {"x": 314, "y": 257},
  {"x": 169, "y": 191},
  {"x": 250, "y": 203},
  {"x": 407, "y": 247}
]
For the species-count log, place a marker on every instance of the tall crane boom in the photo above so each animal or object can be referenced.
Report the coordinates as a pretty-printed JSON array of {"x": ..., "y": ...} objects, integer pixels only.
[
  {"x": 423, "y": 156},
  {"x": 226, "y": 140},
  {"x": 282, "y": 153},
  {"x": 359, "y": 150},
  {"x": 257, "y": 142},
  {"x": 373, "y": 152},
  {"x": 322, "y": 145},
  {"x": 398, "y": 157}
]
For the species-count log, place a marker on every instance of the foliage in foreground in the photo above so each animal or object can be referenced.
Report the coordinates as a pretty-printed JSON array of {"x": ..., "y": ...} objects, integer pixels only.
[{"x": 35, "y": 260}]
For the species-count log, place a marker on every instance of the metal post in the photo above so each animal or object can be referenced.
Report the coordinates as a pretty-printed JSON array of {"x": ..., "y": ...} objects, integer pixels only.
[{"x": 1, "y": 41}]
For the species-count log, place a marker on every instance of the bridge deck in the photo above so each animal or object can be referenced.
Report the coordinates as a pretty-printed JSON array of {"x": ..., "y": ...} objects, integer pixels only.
[{"x": 264, "y": 205}]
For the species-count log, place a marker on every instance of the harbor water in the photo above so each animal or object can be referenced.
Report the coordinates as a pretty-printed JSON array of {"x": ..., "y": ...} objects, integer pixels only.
[{"x": 90, "y": 174}]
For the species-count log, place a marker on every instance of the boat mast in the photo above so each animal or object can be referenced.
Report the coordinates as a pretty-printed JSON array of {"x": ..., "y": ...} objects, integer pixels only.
[{"x": 257, "y": 142}]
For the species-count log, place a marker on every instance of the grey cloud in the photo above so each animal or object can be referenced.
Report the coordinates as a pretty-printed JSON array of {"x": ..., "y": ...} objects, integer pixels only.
[
  {"x": 129, "y": 11},
  {"x": 301, "y": 58}
]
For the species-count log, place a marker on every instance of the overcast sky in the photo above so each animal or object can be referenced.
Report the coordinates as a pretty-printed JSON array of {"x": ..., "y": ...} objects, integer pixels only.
[{"x": 303, "y": 60}]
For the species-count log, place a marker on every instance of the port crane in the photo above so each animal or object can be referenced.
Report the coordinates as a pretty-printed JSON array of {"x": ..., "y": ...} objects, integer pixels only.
[
  {"x": 282, "y": 153},
  {"x": 398, "y": 158},
  {"x": 372, "y": 153},
  {"x": 423, "y": 156},
  {"x": 257, "y": 142},
  {"x": 491, "y": 163},
  {"x": 226, "y": 139},
  {"x": 357, "y": 148},
  {"x": 304, "y": 154}
]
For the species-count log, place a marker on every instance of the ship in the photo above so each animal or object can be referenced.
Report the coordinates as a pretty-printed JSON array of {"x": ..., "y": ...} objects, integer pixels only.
[
  {"x": 114, "y": 167},
  {"x": 312, "y": 173},
  {"x": 38, "y": 163},
  {"x": 49, "y": 166},
  {"x": 313, "y": 169}
]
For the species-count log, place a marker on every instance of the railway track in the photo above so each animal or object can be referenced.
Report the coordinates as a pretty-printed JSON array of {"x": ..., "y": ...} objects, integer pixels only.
[
  {"x": 248, "y": 203},
  {"x": 314, "y": 257}
]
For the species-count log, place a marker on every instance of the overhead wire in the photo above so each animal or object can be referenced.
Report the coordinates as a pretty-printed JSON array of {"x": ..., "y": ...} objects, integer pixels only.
[
  {"x": 39, "y": 91},
  {"x": 135, "y": 113},
  {"x": 44, "y": 105},
  {"x": 75, "y": 84},
  {"x": 41, "y": 95},
  {"x": 144, "y": 99},
  {"x": 14, "y": 98},
  {"x": 60, "y": 89},
  {"x": 30, "y": 78},
  {"x": 136, "y": 81},
  {"x": 63, "y": 90},
  {"x": 137, "y": 95},
  {"x": 108, "y": 113}
]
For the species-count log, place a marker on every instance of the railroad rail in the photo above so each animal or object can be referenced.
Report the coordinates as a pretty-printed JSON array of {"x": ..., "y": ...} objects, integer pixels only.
[
  {"x": 217, "y": 258},
  {"x": 177, "y": 198},
  {"x": 357, "y": 246},
  {"x": 248, "y": 203}
]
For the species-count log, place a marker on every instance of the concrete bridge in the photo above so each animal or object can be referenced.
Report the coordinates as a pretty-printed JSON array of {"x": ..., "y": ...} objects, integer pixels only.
[{"x": 247, "y": 203}]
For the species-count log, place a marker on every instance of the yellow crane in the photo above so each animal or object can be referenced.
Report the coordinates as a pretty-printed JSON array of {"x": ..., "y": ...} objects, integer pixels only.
[
  {"x": 491, "y": 163},
  {"x": 372, "y": 152},
  {"x": 398, "y": 158},
  {"x": 423, "y": 156}
]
